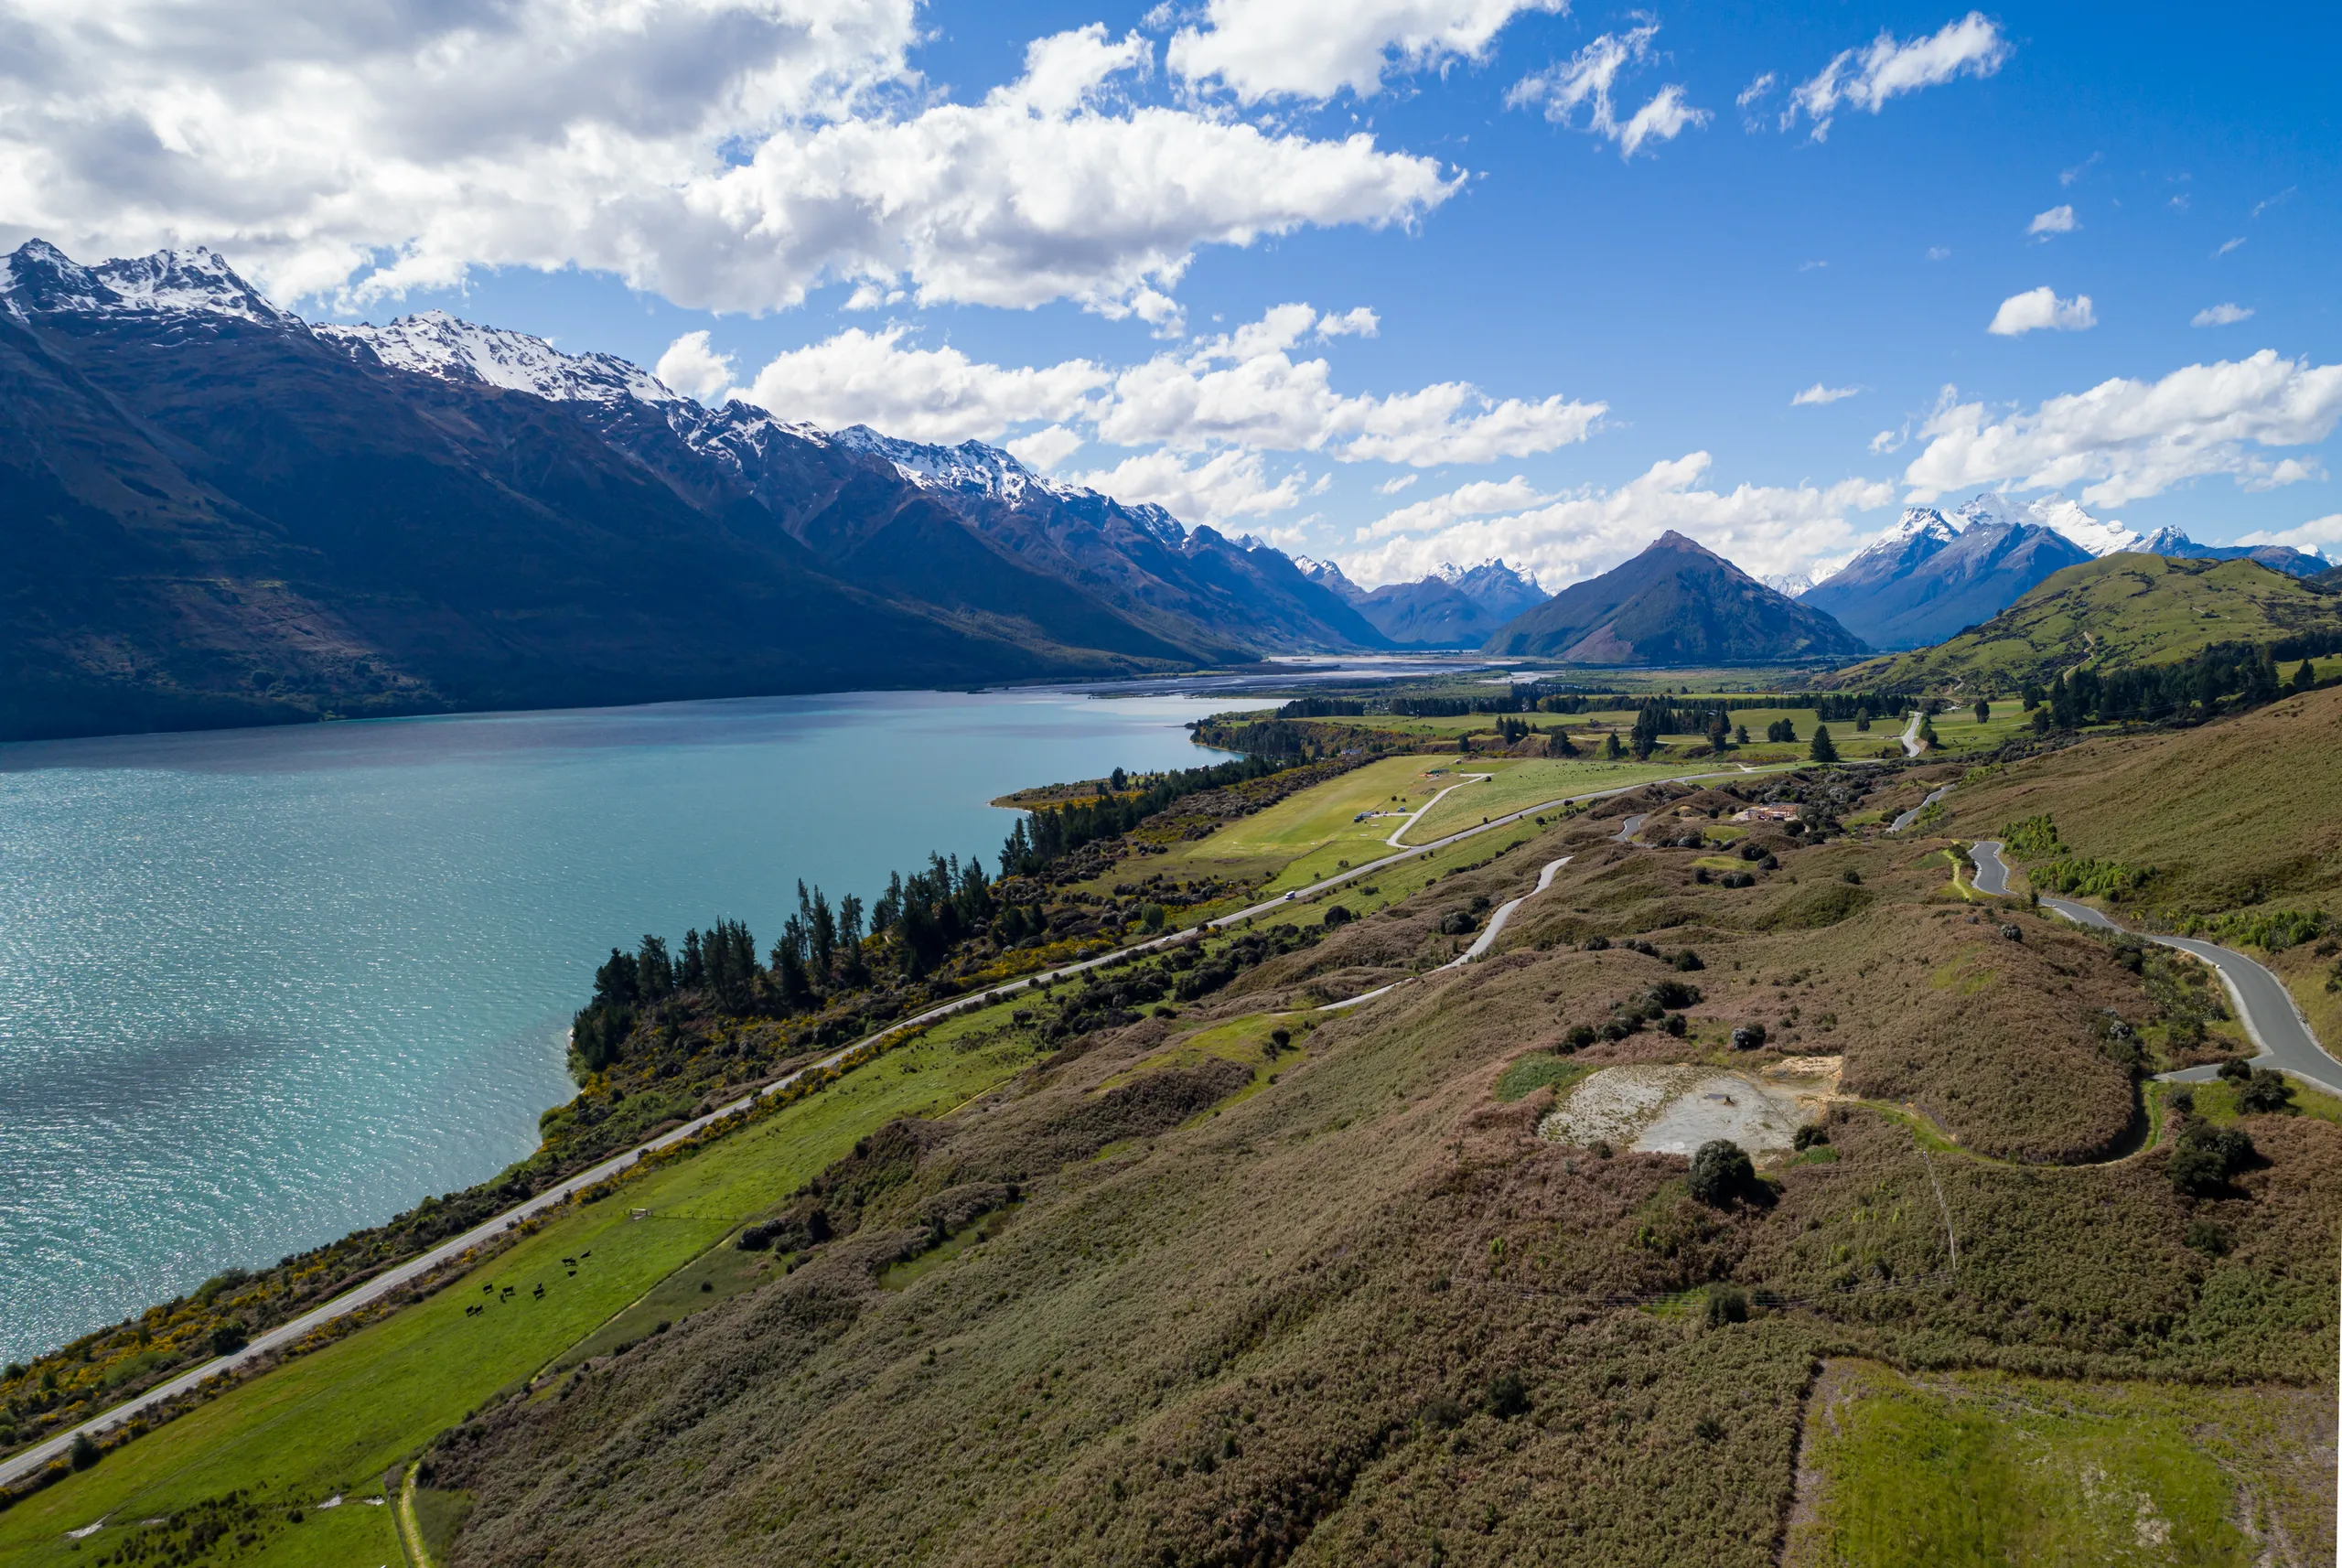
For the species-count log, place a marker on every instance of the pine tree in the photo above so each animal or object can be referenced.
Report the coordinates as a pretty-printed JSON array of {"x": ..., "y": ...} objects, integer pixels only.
[
  {"x": 1611, "y": 749},
  {"x": 1984, "y": 711},
  {"x": 1824, "y": 748},
  {"x": 2305, "y": 677}
]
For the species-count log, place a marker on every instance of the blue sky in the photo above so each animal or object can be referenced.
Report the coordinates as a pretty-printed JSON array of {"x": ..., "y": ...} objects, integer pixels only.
[{"x": 1070, "y": 228}]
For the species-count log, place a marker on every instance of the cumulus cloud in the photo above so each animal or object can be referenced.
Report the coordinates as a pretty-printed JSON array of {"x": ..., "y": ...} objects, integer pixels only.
[
  {"x": 1476, "y": 500},
  {"x": 1046, "y": 447},
  {"x": 1763, "y": 530},
  {"x": 1245, "y": 389},
  {"x": 1229, "y": 397},
  {"x": 2040, "y": 308},
  {"x": 2056, "y": 220},
  {"x": 1867, "y": 77},
  {"x": 920, "y": 395},
  {"x": 2226, "y": 314},
  {"x": 1313, "y": 48},
  {"x": 1392, "y": 486},
  {"x": 2318, "y": 535},
  {"x": 1585, "y": 80},
  {"x": 694, "y": 369},
  {"x": 1818, "y": 394},
  {"x": 2127, "y": 438},
  {"x": 726, "y": 153},
  {"x": 1218, "y": 489}
]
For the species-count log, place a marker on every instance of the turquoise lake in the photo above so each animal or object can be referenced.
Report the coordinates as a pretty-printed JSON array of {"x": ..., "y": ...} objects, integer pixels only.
[{"x": 258, "y": 988}]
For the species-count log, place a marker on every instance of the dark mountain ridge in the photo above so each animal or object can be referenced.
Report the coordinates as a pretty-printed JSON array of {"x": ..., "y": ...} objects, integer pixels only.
[
  {"x": 1675, "y": 602},
  {"x": 215, "y": 515}
]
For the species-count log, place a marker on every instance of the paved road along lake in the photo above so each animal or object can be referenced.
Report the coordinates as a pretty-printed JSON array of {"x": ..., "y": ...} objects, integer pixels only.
[{"x": 258, "y": 988}]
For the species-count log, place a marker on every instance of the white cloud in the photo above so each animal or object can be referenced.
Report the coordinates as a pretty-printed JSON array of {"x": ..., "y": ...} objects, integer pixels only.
[
  {"x": 1584, "y": 81},
  {"x": 1818, "y": 394},
  {"x": 1867, "y": 78},
  {"x": 2056, "y": 220},
  {"x": 2040, "y": 308},
  {"x": 726, "y": 153},
  {"x": 2318, "y": 535},
  {"x": 1313, "y": 48},
  {"x": 1664, "y": 118},
  {"x": 1392, "y": 487},
  {"x": 2227, "y": 245},
  {"x": 2277, "y": 200},
  {"x": 2126, "y": 439},
  {"x": 1244, "y": 389},
  {"x": 2068, "y": 175},
  {"x": 1222, "y": 486},
  {"x": 1755, "y": 91},
  {"x": 2225, "y": 314},
  {"x": 1477, "y": 500},
  {"x": 1046, "y": 448},
  {"x": 695, "y": 370},
  {"x": 1763, "y": 530},
  {"x": 1359, "y": 322},
  {"x": 920, "y": 395},
  {"x": 1939, "y": 252}
]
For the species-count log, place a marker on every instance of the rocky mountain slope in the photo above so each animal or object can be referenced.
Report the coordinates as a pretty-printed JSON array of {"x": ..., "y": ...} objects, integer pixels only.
[
  {"x": 1675, "y": 602},
  {"x": 214, "y": 514}
]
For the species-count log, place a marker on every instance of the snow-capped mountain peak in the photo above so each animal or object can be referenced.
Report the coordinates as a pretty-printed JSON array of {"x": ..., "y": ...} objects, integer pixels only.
[
  {"x": 434, "y": 343},
  {"x": 1918, "y": 521},
  {"x": 2099, "y": 537},
  {"x": 198, "y": 282},
  {"x": 971, "y": 466},
  {"x": 1790, "y": 585},
  {"x": 2055, "y": 512}
]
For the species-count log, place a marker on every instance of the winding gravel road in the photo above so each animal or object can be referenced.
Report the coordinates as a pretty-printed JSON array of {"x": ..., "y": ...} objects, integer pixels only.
[
  {"x": 17, "y": 1466},
  {"x": 1910, "y": 736},
  {"x": 2272, "y": 1019},
  {"x": 1908, "y": 817}
]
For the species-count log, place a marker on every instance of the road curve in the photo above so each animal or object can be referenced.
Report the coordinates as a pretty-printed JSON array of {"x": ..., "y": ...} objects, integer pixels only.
[
  {"x": 1908, "y": 817},
  {"x": 15, "y": 1467},
  {"x": 1910, "y": 736},
  {"x": 2272, "y": 1019}
]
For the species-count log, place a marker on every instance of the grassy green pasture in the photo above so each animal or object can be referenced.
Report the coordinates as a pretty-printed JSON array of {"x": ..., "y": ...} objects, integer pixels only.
[
  {"x": 1979, "y": 1468},
  {"x": 334, "y": 1421},
  {"x": 1517, "y": 783},
  {"x": 1306, "y": 836}
]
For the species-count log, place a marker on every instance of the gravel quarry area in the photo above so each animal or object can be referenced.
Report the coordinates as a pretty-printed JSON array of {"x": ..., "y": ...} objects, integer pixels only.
[{"x": 1672, "y": 1109}]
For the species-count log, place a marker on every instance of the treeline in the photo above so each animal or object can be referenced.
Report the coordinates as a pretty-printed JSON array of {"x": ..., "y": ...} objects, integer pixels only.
[
  {"x": 1056, "y": 830},
  {"x": 2242, "y": 673},
  {"x": 823, "y": 950}
]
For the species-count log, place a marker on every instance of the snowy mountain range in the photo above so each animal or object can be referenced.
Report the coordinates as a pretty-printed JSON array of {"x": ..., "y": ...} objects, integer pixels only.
[{"x": 213, "y": 513}]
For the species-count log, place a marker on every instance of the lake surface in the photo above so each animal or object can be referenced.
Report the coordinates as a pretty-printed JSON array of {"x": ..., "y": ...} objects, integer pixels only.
[{"x": 258, "y": 988}]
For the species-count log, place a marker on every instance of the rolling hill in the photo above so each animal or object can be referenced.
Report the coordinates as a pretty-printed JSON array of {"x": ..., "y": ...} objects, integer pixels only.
[
  {"x": 2119, "y": 611},
  {"x": 1675, "y": 602}
]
